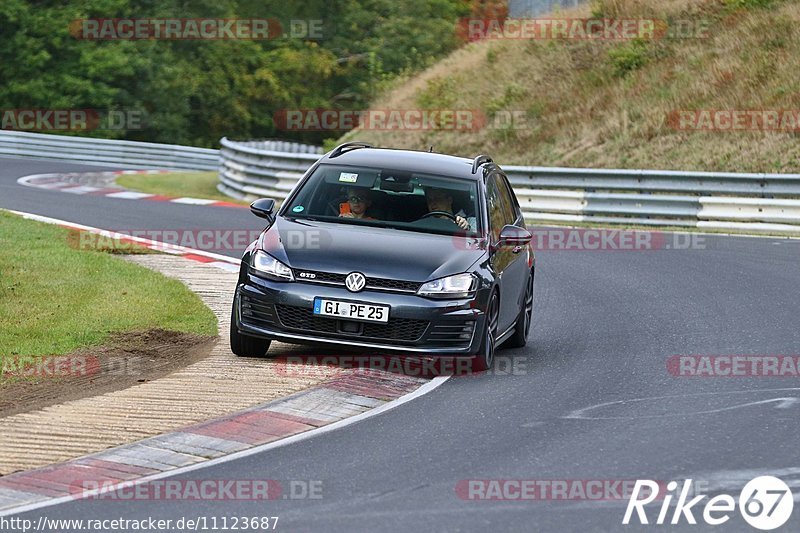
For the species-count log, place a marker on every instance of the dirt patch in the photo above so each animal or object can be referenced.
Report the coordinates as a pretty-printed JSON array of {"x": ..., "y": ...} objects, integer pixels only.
[{"x": 126, "y": 360}]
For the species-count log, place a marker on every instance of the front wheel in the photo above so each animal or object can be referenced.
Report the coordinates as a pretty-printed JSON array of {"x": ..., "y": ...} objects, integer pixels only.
[
  {"x": 484, "y": 359},
  {"x": 523, "y": 326},
  {"x": 244, "y": 345}
]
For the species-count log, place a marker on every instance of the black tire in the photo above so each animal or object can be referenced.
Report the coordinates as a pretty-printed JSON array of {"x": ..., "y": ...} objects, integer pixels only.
[
  {"x": 484, "y": 359},
  {"x": 244, "y": 345},
  {"x": 523, "y": 326}
]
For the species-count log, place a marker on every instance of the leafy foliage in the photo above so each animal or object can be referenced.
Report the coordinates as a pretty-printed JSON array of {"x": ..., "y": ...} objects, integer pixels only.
[{"x": 196, "y": 91}]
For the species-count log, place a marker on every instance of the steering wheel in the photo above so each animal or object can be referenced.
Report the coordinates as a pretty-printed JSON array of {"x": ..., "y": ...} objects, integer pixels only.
[{"x": 451, "y": 216}]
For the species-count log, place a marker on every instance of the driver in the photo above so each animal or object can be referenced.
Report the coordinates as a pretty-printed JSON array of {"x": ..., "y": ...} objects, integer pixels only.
[
  {"x": 358, "y": 203},
  {"x": 442, "y": 200}
]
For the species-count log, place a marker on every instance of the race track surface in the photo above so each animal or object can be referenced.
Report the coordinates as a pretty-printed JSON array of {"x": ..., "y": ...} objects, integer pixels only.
[{"x": 605, "y": 324}]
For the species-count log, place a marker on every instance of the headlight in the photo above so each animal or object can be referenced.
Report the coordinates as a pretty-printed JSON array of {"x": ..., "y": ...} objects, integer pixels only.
[
  {"x": 271, "y": 268},
  {"x": 458, "y": 286}
]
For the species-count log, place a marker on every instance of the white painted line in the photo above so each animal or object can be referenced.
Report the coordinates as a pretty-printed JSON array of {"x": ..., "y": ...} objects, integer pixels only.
[
  {"x": 424, "y": 389},
  {"x": 57, "y": 185},
  {"x": 81, "y": 189},
  {"x": 158, "y": 171},
  {"x": 783, "y": 403},
  {"x": 225, "y": 266},
  {"x": 161, "y": 246},
  {"x": 26, "y": 180},
  {"x": 193, "y": 201},
  {"x": 129, "y": 195},
  {"x": 30, "y": 181}
]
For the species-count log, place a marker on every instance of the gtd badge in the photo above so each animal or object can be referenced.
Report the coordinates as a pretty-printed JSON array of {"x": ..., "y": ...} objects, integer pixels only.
[
  {"x": 355, "y": 281},
  {"x": 307, "y": 275}
]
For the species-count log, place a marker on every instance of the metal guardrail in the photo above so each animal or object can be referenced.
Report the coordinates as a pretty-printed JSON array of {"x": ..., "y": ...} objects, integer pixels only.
[
  {"x": 752, "y": 203},
  {"x": 263, "y": 169},
  {"x": 106, "y": 152},
  {"x": 656, "y": 181}
]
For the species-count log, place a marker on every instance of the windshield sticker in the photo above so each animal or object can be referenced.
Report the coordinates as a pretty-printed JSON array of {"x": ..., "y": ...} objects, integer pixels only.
[
  {"x": 348, "y": 177},
  {"x": 298, "y": 208}
]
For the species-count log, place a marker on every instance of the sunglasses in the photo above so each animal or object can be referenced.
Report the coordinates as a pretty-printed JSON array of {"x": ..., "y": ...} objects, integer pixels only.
[{"x": 356, "y": 199}]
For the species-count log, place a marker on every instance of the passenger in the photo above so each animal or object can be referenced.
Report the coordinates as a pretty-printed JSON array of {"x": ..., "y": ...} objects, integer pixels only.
[
  {"x": 442, "y": 200},
  {"x": 357, "y": 204}
]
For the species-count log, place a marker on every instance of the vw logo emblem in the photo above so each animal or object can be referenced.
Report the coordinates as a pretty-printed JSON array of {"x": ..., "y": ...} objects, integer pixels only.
[{"x": 355, "y": 281}]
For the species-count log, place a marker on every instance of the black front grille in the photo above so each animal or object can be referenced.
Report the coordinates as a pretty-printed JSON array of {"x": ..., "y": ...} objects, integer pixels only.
[
  {"x": 325, "y": 277},
  {"x": 456, "y": 334},
  {"x": 392, "y": 284},
  {"x": 256, "y": 312},
  {"x": 378, "y": 284},
  {"x": 397, "y": 329},
  {"x": 300, "y": 318}
]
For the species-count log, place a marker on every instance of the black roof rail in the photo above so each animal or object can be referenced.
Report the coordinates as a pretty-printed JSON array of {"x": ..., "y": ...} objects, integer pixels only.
[
  {"x": 480, "y": 160},
  {"x": 342, "y": 148}
]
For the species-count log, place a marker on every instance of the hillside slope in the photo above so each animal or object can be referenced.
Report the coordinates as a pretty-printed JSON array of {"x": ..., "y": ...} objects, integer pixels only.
[{"x": 613, "y": 103}]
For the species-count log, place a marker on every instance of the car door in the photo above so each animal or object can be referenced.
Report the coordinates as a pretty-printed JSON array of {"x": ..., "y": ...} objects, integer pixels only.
[{"x": 509, "y": 264}]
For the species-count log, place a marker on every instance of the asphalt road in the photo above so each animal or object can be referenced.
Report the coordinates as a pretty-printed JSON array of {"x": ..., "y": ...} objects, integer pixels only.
[
  {"x": 120, "y": 214},
  {"x": 605, "y": 323}
]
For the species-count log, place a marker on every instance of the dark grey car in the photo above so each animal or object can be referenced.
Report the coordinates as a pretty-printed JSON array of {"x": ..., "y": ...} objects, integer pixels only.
[{"x": 390, "y": 250}]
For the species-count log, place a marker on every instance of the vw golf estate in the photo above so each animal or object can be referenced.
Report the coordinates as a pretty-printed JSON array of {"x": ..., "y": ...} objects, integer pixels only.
[{"x": 390, "y": 250}]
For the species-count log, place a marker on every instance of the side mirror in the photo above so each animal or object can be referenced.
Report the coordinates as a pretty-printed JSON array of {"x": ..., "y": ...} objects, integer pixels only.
[
  {"x": 263, "y": 208},
  {"x": 513, "y": 236}
]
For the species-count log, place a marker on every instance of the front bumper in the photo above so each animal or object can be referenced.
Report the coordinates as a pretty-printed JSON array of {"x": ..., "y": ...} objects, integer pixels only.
[{"x": 283, "y": 311}]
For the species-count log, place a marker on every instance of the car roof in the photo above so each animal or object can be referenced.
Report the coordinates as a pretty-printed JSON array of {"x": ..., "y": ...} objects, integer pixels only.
[{"x": 410, "y": 160}]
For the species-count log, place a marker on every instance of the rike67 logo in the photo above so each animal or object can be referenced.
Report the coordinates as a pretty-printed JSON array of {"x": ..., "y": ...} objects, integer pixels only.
[{"x": 765, "y": 503}]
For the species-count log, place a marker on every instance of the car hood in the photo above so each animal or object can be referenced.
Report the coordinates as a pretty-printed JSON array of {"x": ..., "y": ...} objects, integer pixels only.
[{"x": 375, "y": 252}]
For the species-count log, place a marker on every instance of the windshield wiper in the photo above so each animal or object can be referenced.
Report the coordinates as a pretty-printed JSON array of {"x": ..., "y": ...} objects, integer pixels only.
[{"x": 296, "y": 219}]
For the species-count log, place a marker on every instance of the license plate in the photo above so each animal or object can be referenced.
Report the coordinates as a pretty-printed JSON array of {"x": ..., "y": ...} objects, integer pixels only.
[{"x": 351, "y": 310}]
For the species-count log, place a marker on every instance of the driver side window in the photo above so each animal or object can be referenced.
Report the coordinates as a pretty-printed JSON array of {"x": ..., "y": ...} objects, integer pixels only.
[{"x": 498, "y": 207}]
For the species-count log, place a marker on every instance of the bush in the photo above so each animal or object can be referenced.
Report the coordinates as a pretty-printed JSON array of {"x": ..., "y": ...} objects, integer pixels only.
[
  {"x": 747, "y": 4},
  {"x": 629, "y": 57}
]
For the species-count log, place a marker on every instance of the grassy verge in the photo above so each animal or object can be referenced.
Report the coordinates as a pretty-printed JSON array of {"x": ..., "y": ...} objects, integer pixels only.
[
  {"x": 177, "y": 184},
  {"x": 613, "y": 103},
  {"x": 56, "y": 298}
]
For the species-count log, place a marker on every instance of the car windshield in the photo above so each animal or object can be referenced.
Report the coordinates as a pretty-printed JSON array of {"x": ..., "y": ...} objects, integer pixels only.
[{"x": 388, "y": 198}]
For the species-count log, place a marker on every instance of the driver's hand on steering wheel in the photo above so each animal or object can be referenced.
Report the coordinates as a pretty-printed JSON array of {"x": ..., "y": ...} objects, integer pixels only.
[{"x": 462, "y": 222}]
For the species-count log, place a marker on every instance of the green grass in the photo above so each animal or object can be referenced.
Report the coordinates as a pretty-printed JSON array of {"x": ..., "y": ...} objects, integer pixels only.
[
  {"x": 609, "y": 103},
  {"x": 55, "y": 298},
  {"x": 177, "y": 184}
]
